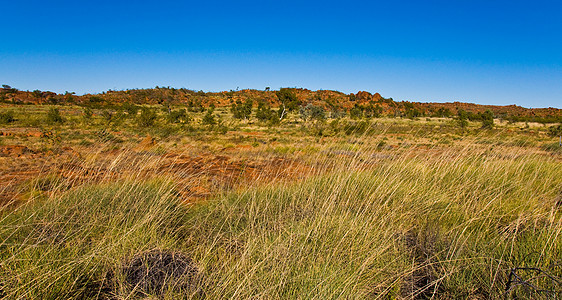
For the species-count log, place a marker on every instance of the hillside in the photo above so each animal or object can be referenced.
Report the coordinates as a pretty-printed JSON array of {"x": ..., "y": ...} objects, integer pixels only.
[{"x": 332, "y": 101}]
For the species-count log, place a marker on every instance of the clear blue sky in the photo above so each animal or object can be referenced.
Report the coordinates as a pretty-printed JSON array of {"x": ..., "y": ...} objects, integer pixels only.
[{"x": 488, "y": 52}]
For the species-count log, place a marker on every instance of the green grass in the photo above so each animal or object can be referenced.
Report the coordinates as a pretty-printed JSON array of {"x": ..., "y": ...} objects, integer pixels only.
[
  {"x": 68, "y": 246},
  {"x": 460, "y": 223}
]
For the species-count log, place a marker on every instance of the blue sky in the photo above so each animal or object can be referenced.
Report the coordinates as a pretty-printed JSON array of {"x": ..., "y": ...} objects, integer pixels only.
[{"x": 488, "y": 52}]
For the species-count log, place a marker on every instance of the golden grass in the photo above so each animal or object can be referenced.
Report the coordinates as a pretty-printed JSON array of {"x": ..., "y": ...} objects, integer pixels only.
[
  {"x": 444, "y": 223},
  {"x": 399, "y": 210}
]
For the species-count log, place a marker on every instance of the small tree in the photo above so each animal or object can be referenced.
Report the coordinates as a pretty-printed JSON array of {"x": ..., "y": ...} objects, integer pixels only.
[
  {"x": 443, "y": 112},
  {"x": 264, "y": 113},
  {"x": 68, "y": 96},
  {"x": 487, "y": 119},
  {"x": 462, "y": 117},
  {"x": 288, "y": 101},
  {"x": 242, "y": 110}
]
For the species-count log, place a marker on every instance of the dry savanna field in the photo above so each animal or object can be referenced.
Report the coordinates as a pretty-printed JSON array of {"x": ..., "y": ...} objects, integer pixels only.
[{"x": 154, "y": 201}]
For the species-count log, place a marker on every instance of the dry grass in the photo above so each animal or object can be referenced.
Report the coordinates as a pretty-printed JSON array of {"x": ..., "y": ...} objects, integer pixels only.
[
  {"x": 390, "y": 213},
  {"x": 445, "y": 224}
]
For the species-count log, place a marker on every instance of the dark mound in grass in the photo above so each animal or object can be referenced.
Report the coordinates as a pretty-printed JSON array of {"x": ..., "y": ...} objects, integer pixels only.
[{"x": 158, "y": 271}]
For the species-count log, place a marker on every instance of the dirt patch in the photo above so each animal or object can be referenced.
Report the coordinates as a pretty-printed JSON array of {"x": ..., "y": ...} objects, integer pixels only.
[
  {"x": 423, "y": 282},
  {"x": 197, "y": 175},
  {"x": 14, "y": 150}
]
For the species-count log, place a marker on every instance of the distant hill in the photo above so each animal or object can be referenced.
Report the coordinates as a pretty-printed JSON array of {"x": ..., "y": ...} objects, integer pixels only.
[{"x": 364, "y": 102}]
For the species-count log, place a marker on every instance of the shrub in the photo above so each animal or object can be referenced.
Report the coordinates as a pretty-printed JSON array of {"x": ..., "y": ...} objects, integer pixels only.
[
  {"x": 462, "y": 118},
  {"x": 209, "y": 117},
  {"x": 487, "y": 119},
  {"x": 356, "y": 112},
  {"x": 7, "y": 117},
  {"x": 373, "y": 111},
  {"x": 178, "y": 116},
  {"x": 37, "y": 94},
  {"x": 242, "y": 110},
  {"x": 54, "y": 116},
  {"x": 413, "y": 113},
  {"x": 130, "y": 109},
  {"x": 264, "y": 113},
  {"x": 312, "y": 112},
  {"x": 555, "y": 130},
  {"x": 147, "y": 117},
  {"x": 87, "y": 113}
]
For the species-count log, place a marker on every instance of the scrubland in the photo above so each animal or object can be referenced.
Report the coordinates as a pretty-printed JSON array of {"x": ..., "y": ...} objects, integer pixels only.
[{"x": 164, "y": 204}]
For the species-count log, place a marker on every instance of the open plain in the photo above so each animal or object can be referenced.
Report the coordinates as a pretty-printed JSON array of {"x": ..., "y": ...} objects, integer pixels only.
[{"x": 276, "y": 194}]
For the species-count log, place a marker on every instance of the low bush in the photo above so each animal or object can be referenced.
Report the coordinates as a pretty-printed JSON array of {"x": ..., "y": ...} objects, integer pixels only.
[
  {"x": 54, "y": 116},
  {"x": 147, "y": 117},
  {"x": 7, "y": 117}
]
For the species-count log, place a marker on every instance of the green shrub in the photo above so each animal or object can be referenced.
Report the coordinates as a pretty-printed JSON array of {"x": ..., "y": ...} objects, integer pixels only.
[
  {"x": 487, "y": 119},
  {"x": 555, "y": 130},
  {"x": 178, "y": 116},
  {"x": 242, "y": 110},
  {"x": 462, "y": 117},
  {"x": 147, "y": 117},
  {"x": 314, "y": 112},
  {"x": 209, "y": 118},
  {"x": 54, "y": 116},
  {"x": 130, "y": 109},
  {"x": 7, "y": 117},
  {"x": 264, "y": 113}
]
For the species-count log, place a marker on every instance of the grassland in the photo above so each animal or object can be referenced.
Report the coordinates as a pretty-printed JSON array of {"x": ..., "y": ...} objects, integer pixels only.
[{"x": 113, "y": 203}]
